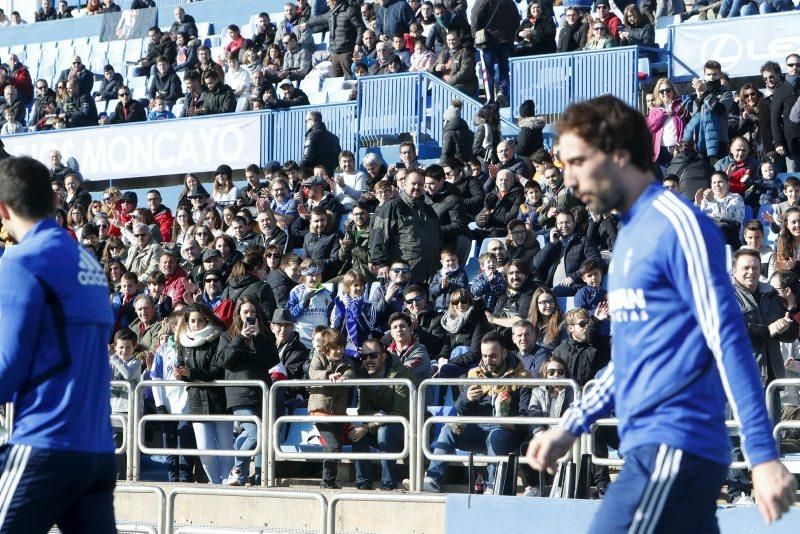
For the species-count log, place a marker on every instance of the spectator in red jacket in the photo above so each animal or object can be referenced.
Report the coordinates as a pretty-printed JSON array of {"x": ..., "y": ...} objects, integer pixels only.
[
  {"x": 20, "y": 77},
  {"x": 612, "y": 22},
  {"x": 162, "y": 215},
  {"x": 175, "y": 283}
]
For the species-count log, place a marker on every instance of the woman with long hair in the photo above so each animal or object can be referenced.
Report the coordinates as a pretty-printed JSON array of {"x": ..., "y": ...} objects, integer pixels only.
[
  {"x": 181, "y": 225},
  {"x": 204, "y": 236},
  {"x": 227, "y": 247},
  {"x": 115, "y": 249},
  {"x": 228, "y": 213},
  {"x": 76, "y": 218},
  {"x": 638, "y": 29},
  {"x": 666, "y": 121},
  {"x": 247, "y": 280},
  {"x": 487, "y": 134},
  {"x": 743, "y": 120},
  {"x": 191, "y": 183},
  {"x": 246, "y": 351},
  {"x": 197, "y": 341},
  {"x": 224, "y": 192},
  {"x": 114, "y": 269},
  {"x": 273, "y": 63},
  {"x": 547, "y": 319},
  {"x": 213, "y": 220},
  {"x": 599, "y": 37},
  {"x": 788, "y": 252},
  {"x": 537, "y": 33}
]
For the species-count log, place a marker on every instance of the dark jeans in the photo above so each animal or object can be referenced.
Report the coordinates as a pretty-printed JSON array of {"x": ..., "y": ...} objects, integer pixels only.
[
  {"x": 329, "y": 435},
  {"x": 179, "y": 435},
  {"x": 497, "y": 57},
  {"x": 388, "y": 439}
]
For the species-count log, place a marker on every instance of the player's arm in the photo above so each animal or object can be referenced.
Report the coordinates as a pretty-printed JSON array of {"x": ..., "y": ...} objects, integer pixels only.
[{"x": 21, "y": 304}]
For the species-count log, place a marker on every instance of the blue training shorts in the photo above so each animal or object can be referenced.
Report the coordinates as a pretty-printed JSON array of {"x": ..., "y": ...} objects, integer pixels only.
[{"x": 662, "y": 489}]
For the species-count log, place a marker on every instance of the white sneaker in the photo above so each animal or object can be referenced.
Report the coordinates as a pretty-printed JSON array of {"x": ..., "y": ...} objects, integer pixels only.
[
  {"x": 234, "y": 478},
  {"x": 430, "y": 485},
  {"x": 531, "y": 491},
  {"x": 743, "y": 500}
]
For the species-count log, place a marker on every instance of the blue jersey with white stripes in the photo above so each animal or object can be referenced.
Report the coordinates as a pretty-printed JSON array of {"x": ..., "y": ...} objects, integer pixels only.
[
  {"x": 680, "y": 344},
  {"x": 55, "y": 323}
]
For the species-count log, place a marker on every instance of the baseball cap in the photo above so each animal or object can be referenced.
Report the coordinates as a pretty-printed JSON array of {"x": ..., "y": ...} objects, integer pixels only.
[{"x": 211, "y": 253}]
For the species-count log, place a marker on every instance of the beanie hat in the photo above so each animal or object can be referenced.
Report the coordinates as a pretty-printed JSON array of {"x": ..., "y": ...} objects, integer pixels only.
[
  {"x": 454, "y": 111},
  {"x": 527, "y": 109}
]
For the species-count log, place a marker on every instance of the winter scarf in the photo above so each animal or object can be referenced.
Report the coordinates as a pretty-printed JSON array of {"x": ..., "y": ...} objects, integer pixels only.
[
  {"x": 195, "y": 339},
  {"x": 453, "y": 323}
]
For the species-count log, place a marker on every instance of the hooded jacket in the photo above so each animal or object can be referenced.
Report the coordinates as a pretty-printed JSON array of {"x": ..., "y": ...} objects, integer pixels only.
[
  {"x": 250, "y": 286},
  {"x": 167, "y": 85},
  {"x": 457, "y": 141},
  {"x": 529, "y": 138}
]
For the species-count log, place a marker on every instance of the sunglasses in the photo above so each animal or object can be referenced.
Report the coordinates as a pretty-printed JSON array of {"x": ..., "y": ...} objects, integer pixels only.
[
  {"x": 417, "y": 299},
  {"x": 370, "y": 355},
  {"x": 665, "y": 91},
  {"x": 123, "y": 94},
  {"x": 599, "y": 28},
  {"x": 459, "y": 302},
  {"x": 274, "y": 255},
  {"x": 401, "y": 271},
  {"x": 792, "y": 64},
  {"x": 209, "y": 280},
  {"x": 556, "y": 372},
  {"x": 102, "y": 226},
  {"x": 582, "y": 324},
  {"x": 750, "y": 95}
]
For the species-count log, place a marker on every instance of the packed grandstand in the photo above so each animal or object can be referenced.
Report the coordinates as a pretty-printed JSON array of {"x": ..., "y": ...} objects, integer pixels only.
[{"x": 439, "y": 244}]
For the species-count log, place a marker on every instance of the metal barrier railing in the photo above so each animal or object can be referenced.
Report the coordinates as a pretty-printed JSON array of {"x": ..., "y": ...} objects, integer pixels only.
[
  {"x": 409, "y": 426},
  {"x": 792, "y": 465},
  {"x": 774, "y": 387},
  {"x": 125, "y": 421},
  {"x": 138, "y": 421},
  {"x": 258, "y": 493},
  {"x": 373, "y": 497},
  {"x": 424, "y": 450},
  {"x": 155, "y": 490}
]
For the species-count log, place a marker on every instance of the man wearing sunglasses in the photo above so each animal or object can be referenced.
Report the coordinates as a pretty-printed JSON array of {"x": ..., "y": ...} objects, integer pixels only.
[
  {"x": 785, "y": 133},
  {"x": 383, "y": 400},
  {"x": 388, "y": 297}
]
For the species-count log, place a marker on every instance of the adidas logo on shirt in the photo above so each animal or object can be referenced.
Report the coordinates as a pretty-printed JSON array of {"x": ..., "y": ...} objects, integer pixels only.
[{"x": 89, "y": 271}]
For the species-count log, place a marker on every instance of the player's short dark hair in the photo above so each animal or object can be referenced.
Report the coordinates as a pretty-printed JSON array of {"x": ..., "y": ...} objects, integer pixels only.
[
  {"x": 25, "y": 187},
  {"x": 609, "y": 124}
]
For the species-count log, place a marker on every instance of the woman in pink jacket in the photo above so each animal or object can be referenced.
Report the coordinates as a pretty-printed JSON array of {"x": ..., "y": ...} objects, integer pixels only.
[{"x": 666, "y": 121}]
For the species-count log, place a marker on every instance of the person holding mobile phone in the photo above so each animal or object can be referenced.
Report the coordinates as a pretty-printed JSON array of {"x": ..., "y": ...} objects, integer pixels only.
[{"x": 246, "y": 352}]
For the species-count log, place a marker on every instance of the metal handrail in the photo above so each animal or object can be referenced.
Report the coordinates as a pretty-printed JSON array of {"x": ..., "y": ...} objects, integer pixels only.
[
  {"x": 773, "y": 387},
  {"x": 792, "y": 465},
  {"x": 410, "y": 434},
  {"x": 280, "y": 455},
  {"x": 158, "y": 492},
  {"x": 230, "y": 492},
  {"x": 424, "y": 452},
  {"x": 199, "y": 418},
  {"x": 260, "y": 440},
  {"x": 376, "y": 497},
  {"x": 127, "y": 432}
]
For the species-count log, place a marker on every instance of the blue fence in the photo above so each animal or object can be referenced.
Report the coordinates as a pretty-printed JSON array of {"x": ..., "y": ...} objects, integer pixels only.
[
  {"x": 283, "y": 132},
  {"x": 410, "y": 103},
  {"x": 554, "y": 81}
]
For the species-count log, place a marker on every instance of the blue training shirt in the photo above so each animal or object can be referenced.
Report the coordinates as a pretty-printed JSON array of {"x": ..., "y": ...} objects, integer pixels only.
[
  {"x": 680, "y": 344},
  {"x": 55, "y": 323}
]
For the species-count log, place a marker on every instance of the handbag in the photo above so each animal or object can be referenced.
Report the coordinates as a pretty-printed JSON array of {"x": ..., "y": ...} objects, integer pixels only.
[{"x": 481, "y": 37}]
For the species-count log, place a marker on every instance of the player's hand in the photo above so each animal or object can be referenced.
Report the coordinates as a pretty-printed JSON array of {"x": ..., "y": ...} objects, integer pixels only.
[
  {"x": 547, "y": 447},
  {"x": 773, "y": 489}
]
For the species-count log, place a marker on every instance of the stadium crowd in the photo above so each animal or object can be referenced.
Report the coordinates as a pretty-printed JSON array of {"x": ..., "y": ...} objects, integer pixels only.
[{"x": 333, "y": 268}]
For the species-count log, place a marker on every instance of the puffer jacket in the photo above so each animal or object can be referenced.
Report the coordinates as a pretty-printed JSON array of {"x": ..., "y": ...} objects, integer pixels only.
[
  {"x": 246, "y": 359},
  {"x": 321, "y": 147},
  {"x": 294, "y": 357},
  {"x": 328, "y": 399},
  {"x": 579, "y": 249},
  {"x": 472, "y": 194},
  {"x": 693, "y": 171},
  {"x": 583, "y": 360},
  {"x": 529, "y": 138},
  {"x": 391, "y": 400},
  {"x": 457, "y": 141},
  {"x": 220, "y": 100},
  {"x": 449, "y": 209},
  {"x": 281, "y": 285},
  {"x": 108, "y": 88},
  {"x": 344, "y": 25},
  {"x": 708, "y": 128},
  {"x": 204, "y": 366},
  {"x": 168, "y": 86}
]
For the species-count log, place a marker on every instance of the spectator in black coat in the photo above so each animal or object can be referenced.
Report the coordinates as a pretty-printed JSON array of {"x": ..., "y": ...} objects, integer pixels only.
[
  {"x": 521, "y": 243},
  {"x": 345, "y": 28},
  {"x": 501, "y": 205},
  {"x": 165, "y": 83},
  {"x": 447, "y": 21},
  {"x": 573, "y": 33},
  {"x": 500, "y": 20},
  {"x": 79, "y": 109},
  {"x": 291, "y": 96},
  {"x": 692, "y": 169},
  {"x": 582, "y": 358},
  {"x": 291, "y": 351},
  {"x": 284, "y": 278},
  {"x": 469, "y": 187},
  {"x": 558, "y": 264},
  {"x": 219, "y": 98},
  {"x": 537, "y": 33},
  {"x": 85, "y": 77},
  {"x": 109, "y": 85},
  {"x": 128, "y": 109},
  {"x": 785, "y": 132},
  {"x": 321, "y": 146},
  {"x": 161, "y": 44},
  {"x": 46, "y": 12},
  {"x": 43, "y": 94},
  {"x": 457, "y": 138},
  {"x": 443, "y": 197},
  {"x": 321, "y": 243},
  {"x": 529, "y": 138},
  {"x": 183, "y": 23}
]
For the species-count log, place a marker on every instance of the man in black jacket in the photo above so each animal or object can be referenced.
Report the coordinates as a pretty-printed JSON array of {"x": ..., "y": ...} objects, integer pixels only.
[
  {"x": 219, "y": 98},
  {"x": 85, "y": 77},
  {"x": 46, "y": 12},
  {"x": 161, "y": 44},
  {"x": 322, "y": 243},
  {"x": 293, "y": 354},
  {"x": 165, "y": 83},
  {"x": 407, "y": 228},
  {"x": 558, "y": 264},
  {"x": 785, "y": 133},
  {"x": 183, "y": 23},
  {"x": 109, "y": 85},
  {"x": 79, "y": 109},
  {"x": 443, "y": 197},
  {"x": 128, "y": 109},
  {"x": 291, "y": 96},
  {"x": 43, "y": 93},
  {"x": 284, "y": 278},
  {"x": 515, "y": 304},
  {"x": 447, "y": 21},
  {"x": 345, "y": 27},
  {"x": 573, "y": 34},
  {"x": 499, "y": 19},
  {"x": 468, "y": 186},
  {"x": 321, "y": 146}
]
